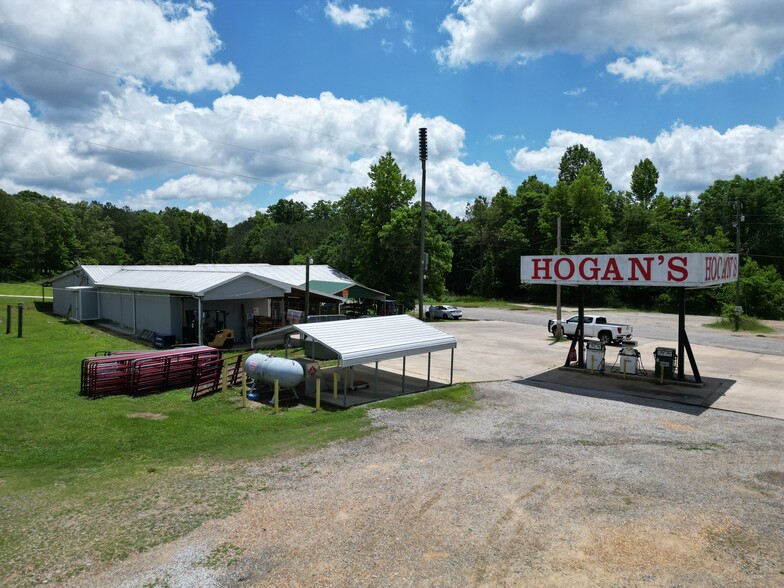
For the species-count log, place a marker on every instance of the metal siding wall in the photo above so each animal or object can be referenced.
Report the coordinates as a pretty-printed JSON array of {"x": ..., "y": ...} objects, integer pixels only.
[
  {"x": 89, "y": 308},
  {"x": 177, "y": 316},
  {"x": 128, "y": 310},
  {"x": 111, "y": 305},
  {"x": 61, "y": 298},
  {"x": 153, "y": 313}
]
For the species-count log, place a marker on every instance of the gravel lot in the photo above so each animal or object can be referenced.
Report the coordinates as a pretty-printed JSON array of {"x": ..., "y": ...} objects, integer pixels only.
[{"x": 532, "y": 487}]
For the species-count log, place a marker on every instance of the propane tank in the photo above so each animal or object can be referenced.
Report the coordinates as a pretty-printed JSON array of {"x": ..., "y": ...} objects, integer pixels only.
[{"x": 267, "y": 369}]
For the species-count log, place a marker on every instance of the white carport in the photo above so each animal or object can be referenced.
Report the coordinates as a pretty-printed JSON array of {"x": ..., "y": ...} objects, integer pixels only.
[{"x": 370, "y": 340}]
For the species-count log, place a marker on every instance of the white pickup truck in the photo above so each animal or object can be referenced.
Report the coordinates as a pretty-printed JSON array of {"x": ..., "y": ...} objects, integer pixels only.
[{"x": 594, "y": 325}]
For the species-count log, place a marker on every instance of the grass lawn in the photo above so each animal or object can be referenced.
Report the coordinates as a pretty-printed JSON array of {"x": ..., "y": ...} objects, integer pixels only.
[
  {"x": 24, "y": 289},
  {"x": 746, "y": 323},
  {"x": 86, "y": 480}
]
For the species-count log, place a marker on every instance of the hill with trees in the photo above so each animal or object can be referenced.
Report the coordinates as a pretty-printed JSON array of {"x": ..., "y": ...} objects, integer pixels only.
[{"x": 372, "y": 234}]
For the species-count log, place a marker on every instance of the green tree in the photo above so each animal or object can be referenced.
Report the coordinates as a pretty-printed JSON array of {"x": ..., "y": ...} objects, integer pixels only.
[
  {"x": 366, "y": 212},
  {"x": 761, "y": 203},
  {"x": 48, "y": 243},
  {"x": 574, "y": 159},
  {"x": 287, "y": 212},
  {"x": 645, "y": 177},
  {"x": 324, "y": 210},
  {"x": 98, "y": 243},
  {"x": 10, "y": 238}
]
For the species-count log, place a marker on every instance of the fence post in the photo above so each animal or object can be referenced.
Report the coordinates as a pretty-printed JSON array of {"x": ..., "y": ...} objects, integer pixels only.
[
  {"x": 8, "y": 320},
  {"x": 318, "y": 394},
  {"x": 335, "y": 385},
  {"x": 224, "y": 383},
  {"x": 244, "y": 390},
  {"x": 20, "y": 320},
  {"x": 276, "y": 389}
]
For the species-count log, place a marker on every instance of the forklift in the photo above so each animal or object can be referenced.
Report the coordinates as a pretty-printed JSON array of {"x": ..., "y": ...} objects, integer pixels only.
[{"x": 214, "y": 329}]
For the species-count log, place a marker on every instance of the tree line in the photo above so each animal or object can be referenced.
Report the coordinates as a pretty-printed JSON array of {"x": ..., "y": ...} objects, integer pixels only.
[{"x": 372, "y": 234}]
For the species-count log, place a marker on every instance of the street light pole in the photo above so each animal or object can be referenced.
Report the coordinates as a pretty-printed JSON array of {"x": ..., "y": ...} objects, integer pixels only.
[
  {"x": 423, "y": 159},
  {"x": 738, "y": 220}
]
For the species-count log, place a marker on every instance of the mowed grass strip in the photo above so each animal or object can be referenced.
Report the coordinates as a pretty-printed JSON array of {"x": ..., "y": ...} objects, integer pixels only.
[{"x": 84, "y": 481}]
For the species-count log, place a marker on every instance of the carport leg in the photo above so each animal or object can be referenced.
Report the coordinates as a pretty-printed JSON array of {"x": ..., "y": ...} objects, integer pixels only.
[
  {"x": 345, "y": 385},
  {"x": 452, "y": 367},
  {"x": 404, "y": 375},
  {"x": 375, "y": 380},
  {"x": 428, "y": 370}
]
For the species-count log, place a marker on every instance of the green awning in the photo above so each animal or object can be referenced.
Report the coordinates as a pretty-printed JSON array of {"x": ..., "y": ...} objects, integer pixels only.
[{"x": 345, "y": 289}]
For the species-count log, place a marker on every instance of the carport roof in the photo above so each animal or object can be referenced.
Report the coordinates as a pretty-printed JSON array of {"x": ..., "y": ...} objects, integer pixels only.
[{"x": 371, "y": 339}]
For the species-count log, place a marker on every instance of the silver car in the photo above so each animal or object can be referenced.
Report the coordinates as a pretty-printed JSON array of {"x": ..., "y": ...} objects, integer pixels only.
[{"x": 443, "y": 311}]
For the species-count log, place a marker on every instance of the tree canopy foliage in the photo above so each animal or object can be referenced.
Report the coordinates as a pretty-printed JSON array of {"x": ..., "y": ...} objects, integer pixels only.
[{"x": 372, "y": 234}]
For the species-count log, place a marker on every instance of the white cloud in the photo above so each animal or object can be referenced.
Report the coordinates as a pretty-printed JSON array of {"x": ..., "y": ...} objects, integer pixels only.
[
  {"x": 39, "y": 156},
  {"x": 321, "y": 146},
  {"x": 201, "y": 188},
  {"x": 575, "y": 92},
  {"x": 668, "y": 42},
  {"x": 689, "y": 159},
  {"x": 108, "y": 45},
  {"x": 354, "y": 16}
]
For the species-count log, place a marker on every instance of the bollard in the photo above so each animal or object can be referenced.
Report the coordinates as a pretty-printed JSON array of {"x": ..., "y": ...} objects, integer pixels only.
[
  {"x": 592, "y": 358},
  {"x": 20, "y": 320},
  {"x": 276, "y": 389},
  {"x": 244, "y": 389},
  {"x": 8, "y": 320},
  {"x": 335, "y": 385},
  {"x": 318, "y": 394},
  {"x": 624, "y": 370}
]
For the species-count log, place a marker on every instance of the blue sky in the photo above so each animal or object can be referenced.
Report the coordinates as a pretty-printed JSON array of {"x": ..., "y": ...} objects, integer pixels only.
[{"x": 225, "y": 107}]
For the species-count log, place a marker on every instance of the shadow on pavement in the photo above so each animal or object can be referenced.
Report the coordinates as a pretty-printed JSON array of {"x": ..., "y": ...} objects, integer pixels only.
[{"x": 687, "y": 397}]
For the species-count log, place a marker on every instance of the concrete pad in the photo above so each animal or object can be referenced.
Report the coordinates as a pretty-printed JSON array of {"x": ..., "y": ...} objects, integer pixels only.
[{"x": 495, "y": 350}]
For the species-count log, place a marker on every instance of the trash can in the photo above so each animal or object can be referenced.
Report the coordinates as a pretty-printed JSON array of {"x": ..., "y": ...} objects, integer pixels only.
[
  {"x": 594, "y": 356},
  {"x": 665, "y": 360},
  {"x": 163, "y": 341}
]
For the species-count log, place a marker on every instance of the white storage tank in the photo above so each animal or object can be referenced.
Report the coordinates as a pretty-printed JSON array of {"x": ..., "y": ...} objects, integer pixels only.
[{"x": 267, "y": 369}]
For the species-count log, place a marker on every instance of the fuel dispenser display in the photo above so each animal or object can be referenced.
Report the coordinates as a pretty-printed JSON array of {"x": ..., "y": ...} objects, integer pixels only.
[
  {"x": 628, "y": 362},
  {"x": 666, "y": 359},
  {"x": 594, "y": 356}
]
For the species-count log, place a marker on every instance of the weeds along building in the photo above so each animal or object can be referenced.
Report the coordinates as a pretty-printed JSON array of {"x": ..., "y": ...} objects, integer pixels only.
[{"x": 173, "y": 301}]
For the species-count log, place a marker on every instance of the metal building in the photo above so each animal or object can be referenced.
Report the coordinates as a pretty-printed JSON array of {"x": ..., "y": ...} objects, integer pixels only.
[{"x": 170, "y": 300}]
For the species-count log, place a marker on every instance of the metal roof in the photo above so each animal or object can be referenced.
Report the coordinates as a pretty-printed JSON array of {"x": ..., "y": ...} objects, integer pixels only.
[
  {"x": 372, "y": 339},
  {"x": 196, "y": 279},
  {"x": 183, "y": 282},
  {"x": 293, "y": 275}
]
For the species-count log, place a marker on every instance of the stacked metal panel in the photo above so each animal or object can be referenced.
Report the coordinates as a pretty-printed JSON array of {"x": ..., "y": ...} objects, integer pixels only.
[
  {"x": 209, "y": 375},
  {"x": 143, "y": 372}
]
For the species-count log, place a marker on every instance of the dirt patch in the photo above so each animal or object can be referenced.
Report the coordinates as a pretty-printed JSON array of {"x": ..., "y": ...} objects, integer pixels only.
[
  {"x": 502, "y": 495},
  {"x": 150, "y": 416}
]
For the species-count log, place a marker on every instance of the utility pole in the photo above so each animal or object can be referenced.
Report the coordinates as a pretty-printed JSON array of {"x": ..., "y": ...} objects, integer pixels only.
[
  {"x": 558, "y": 327},
  {"x": 738, "y": 220},
  {"x": 423, "y": 159},
  {"x": 308, "y": 261}
]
